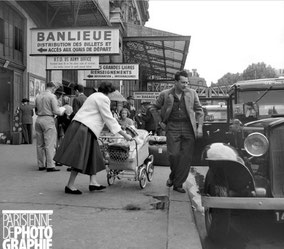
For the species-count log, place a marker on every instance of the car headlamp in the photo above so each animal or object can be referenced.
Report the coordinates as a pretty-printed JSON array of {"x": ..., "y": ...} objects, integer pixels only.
[{"x": 256, "y": 144}]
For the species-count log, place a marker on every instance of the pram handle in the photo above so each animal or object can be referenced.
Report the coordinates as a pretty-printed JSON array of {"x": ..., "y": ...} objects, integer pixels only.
[{"x": 112, "y": 137}]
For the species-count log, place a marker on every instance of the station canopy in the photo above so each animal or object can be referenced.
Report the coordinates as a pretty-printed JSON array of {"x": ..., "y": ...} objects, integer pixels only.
[
  {"x": 160, "y": 54},
  {"x": 65, "y": 13}
]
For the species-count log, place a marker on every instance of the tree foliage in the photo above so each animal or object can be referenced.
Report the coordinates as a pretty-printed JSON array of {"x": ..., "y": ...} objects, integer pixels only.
[
  {"x": 254, "y": 71},
  {"x": 258, "y": 71},
  {"x": 229, "y": 79}
]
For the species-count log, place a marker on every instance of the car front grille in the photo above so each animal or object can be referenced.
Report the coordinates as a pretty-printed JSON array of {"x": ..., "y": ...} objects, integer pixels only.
[{"x": 276, "y": 155}]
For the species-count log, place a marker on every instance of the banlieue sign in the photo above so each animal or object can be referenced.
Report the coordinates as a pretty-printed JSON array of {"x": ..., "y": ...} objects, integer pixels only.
[
  {"x": 83, "y": 62},
  {"x": 75, "y": 41},
  {"x": 115, "y": 72}
]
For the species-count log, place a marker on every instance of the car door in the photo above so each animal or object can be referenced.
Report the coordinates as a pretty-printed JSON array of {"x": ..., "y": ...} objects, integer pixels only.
[{"x": 215, "y": 127}]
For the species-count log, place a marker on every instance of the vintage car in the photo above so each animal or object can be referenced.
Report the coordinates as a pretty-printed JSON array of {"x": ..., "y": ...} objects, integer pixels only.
[{"x": 245, "y": 155}]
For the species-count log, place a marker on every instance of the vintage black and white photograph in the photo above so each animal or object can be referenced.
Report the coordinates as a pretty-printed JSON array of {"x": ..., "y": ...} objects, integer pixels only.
[{"x": 142, "y": 124}]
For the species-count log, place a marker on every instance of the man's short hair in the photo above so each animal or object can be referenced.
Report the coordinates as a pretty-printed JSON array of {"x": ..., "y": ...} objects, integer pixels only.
[
  {"x": 80, "y": 88},
  {"x": 180, "y": 73}
]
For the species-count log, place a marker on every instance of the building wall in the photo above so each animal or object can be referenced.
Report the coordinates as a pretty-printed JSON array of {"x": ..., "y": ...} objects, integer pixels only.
[
  {"x": 35, "y": 65},
  {"x": 18, "y": 65},
  {"x": 105, "y": 7},
  {"x": 35, "y": 72},
  {"x": 30, "y": 77}
]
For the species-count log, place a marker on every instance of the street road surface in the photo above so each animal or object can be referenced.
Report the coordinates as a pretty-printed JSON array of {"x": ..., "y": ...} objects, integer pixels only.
[{"x": 249, "y": 229}]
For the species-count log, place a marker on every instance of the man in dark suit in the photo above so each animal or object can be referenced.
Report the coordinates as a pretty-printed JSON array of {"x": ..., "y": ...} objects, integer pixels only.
[
  {"x": 130, "y": 106},
  {"x": 79, "y": 99},
  {"x": 27, "y": 113},
  {"x": 182, "y": 119}
]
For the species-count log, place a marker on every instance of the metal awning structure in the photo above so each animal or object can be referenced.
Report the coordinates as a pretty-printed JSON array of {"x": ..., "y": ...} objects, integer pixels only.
[
  {"x": 159, "y": 56},
  {"x": 66, "y": 13}
]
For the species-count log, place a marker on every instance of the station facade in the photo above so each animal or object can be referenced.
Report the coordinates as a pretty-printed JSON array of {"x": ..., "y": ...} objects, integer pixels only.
[{"x": 24, "y": 68}]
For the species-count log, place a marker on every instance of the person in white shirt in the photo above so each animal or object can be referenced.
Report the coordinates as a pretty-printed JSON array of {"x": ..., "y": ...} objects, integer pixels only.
[{"x": 79, "y": 148}]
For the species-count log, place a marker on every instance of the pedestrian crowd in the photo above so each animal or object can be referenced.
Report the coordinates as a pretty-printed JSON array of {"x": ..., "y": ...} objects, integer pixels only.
[{"x": 67, "y": 134}]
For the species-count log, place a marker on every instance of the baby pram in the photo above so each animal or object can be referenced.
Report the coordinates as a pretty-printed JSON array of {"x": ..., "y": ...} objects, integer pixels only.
[{"x": 129, "y": 160}]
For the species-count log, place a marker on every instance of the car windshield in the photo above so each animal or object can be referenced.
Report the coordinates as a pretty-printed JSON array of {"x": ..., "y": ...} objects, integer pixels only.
[
  {"x": 272, "y": 102},
  {"x": 215, "y": 113}
]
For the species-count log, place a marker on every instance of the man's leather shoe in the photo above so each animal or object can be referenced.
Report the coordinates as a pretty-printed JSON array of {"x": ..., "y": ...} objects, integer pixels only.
[
  {"x": 179, "y": 189},
  {"x": 169, "y": 183},
  {"x": 93, "y": 187},
  {"x": 41, "y": 168},
  {"x": 73, "y": 192},
  {"x": 52, "y": 169}
]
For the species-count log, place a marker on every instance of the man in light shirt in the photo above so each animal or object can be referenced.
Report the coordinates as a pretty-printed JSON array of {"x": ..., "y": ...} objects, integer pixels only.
[{"x": 46, "y": 107}]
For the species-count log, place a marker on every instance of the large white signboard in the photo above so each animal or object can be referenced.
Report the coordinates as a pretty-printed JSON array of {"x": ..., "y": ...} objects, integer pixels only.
[
  {"x": 72, "y": 62},
  {"x": 75, "y": 41},
  {"x": 116, "y": 71},
  {"x": 146, "y": 95}
]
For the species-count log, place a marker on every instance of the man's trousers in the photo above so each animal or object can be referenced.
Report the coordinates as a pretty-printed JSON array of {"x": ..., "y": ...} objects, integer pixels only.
[
  {"x": 27, "y": 133},
  {"x": 180, "y": 148},
  {"x": 46, "y": 137}
]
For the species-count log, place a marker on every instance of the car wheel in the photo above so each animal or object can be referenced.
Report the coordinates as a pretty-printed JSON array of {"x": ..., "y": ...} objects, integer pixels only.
[{"x": 217, "y": 220}]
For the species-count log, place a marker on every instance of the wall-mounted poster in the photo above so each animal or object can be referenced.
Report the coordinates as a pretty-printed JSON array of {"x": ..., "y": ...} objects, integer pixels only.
[{"x": 36, "y": 85}]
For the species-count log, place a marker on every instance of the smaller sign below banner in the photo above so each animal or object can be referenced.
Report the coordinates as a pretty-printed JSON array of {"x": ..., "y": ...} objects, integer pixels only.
[
  {"x": 72, "y": 62},
  {"x": 115, "y": 72},
  {"x": 159, "y": 86},
  {"x": 146, "y": 95}
]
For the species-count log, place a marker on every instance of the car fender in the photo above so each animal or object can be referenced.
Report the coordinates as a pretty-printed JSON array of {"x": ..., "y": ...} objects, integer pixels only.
[{"x": 221, "y": 156}]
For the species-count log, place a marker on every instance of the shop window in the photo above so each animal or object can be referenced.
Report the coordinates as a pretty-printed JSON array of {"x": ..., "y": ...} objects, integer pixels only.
[{"x": 18, "y": 35}]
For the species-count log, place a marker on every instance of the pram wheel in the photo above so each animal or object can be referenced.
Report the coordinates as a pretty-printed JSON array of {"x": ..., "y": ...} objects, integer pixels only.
[
  {"x": 142, "y": 177},
  {"x": 150, "y": 167},
  {"x": 110, "y": 178}
]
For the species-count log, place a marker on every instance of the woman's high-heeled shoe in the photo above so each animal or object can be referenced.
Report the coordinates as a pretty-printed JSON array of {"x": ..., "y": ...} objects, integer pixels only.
[
  {"x": 74, "y": 192},
  {"x": 93, "y": 187}
]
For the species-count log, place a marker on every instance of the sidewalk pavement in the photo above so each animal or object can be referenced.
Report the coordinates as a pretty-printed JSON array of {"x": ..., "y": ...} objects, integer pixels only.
[{"x": 122, "y": 216}]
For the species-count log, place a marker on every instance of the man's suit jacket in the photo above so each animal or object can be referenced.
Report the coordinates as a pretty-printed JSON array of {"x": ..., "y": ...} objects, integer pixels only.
[
  {"x": 194, "y": 109},
  {"x": 27, "y": 114},
  {"x": 78, "y": 102}
]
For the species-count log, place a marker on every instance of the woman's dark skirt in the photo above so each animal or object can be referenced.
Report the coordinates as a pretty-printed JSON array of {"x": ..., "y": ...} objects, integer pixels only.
[{"x": 80, "y": 150}]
